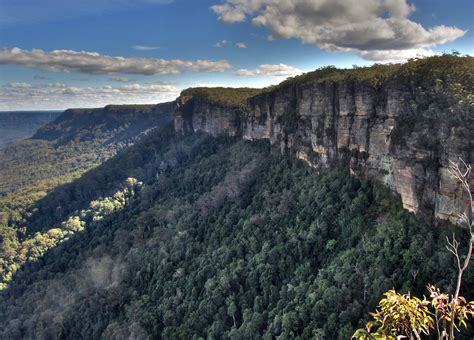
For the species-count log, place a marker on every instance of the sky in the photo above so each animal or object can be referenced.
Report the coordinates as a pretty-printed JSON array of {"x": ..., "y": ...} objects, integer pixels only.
[{"x": 57, "y": 54}]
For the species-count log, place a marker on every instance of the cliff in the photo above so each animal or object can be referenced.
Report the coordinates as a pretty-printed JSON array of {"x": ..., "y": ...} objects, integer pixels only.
[
  {"x": 121, "y": 122},
  {"x": 398, "y": 124}
]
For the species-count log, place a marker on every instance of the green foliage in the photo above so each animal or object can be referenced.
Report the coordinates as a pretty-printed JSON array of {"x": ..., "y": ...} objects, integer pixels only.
[
  {"x": 225, "y": 239},
  {"x": 429, "y": 68},
  {"x": 35, "y": 246},
  {"x": 441, "y": 98},
  {"x": 447, "y": 308},
  {"x": 402, "y": 314},
  {"x": 233, "y": 97},
  {"x": 406, "y": 315}
]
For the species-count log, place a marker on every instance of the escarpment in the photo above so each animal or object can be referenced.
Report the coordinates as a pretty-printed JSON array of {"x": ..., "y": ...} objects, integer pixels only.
[
  {"x": 76, "y": 141},
  {"x": 398, "y": 124}
]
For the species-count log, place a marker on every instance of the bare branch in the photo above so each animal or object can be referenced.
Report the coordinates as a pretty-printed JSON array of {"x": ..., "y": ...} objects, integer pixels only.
[
  {"x": 453, "y": 247},
  {"x": 463, "y": 177}
]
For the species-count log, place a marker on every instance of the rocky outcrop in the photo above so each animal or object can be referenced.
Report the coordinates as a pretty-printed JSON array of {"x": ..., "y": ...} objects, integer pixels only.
[
  {"x": 199, "y": 114},
  {"x": 372, "y": 125}
]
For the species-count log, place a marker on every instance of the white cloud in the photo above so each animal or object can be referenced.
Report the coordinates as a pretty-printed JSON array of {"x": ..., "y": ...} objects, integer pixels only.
[
  {"x": 273, "y": 70},
  {"x": 391, "y": 56},
  {"x": 17, "y": 96},
  {"x": 95, "y": 63},
  {"x": 19, "y": 85},
  {"x": 145, "y": 48},
  {"x": 240, "y": 45},
  {"x": 366, "y": 27},
  {"x": 221, "y": 43}
]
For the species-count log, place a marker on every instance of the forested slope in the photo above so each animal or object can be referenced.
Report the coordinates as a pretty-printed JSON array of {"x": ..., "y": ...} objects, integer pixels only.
[
  {"x": 77, "y": 140},
  {"x": 195, "y": 236},
  {"x": 17, "y": 125},
  {"x": 59, "y": 152}
]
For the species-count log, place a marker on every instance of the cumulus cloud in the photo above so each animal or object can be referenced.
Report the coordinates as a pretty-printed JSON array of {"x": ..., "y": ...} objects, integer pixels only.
[
  {"x": 221, "y": 43},
  {"x": 366, "y": 27},
  {"x": 60, "y": 96},
  {"x": 240, "y": 45},
  {"x": 273, "y": 70},
  {"x": 95, "y": 63},
  {"x": 145, "y": 48}
]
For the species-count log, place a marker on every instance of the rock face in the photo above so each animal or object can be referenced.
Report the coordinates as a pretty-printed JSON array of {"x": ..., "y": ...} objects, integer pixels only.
[
  {"x": 325, "y": 121},
  {"x": 199, "y": 114}
]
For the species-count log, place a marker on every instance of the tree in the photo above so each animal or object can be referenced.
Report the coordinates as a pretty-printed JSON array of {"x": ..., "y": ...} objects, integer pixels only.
[{"x": 231, "y": 308}]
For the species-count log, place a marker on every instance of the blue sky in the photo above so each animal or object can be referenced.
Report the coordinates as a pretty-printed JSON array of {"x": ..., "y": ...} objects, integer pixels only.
[{"x": 170, "y": 45}]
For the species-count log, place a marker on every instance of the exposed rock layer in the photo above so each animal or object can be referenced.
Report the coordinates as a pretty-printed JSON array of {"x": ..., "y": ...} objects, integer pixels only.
[{"x": 323, "y": 121}]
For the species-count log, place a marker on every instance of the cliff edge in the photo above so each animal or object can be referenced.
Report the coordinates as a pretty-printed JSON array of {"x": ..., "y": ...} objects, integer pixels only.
[{"x": 399, "y": 124}]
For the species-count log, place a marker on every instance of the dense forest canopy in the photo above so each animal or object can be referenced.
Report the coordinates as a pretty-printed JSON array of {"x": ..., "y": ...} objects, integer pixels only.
[
  {"x": 228, "y": 96},
  {"x": 452, "y": 66},
  {"x": 224, "y": 239}
]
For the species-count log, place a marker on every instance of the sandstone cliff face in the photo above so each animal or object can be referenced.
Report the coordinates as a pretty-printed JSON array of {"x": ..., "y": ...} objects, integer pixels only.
[
  {"x": 199, "y": 114},
  {"x": 321, "y": 122}
]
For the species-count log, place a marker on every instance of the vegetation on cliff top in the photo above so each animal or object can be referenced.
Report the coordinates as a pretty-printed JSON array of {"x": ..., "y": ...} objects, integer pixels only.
[
  {"x": 446, "y": 66},
  {"x": 234, "y": 97},
  {"x": 418, "y": 73}
]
